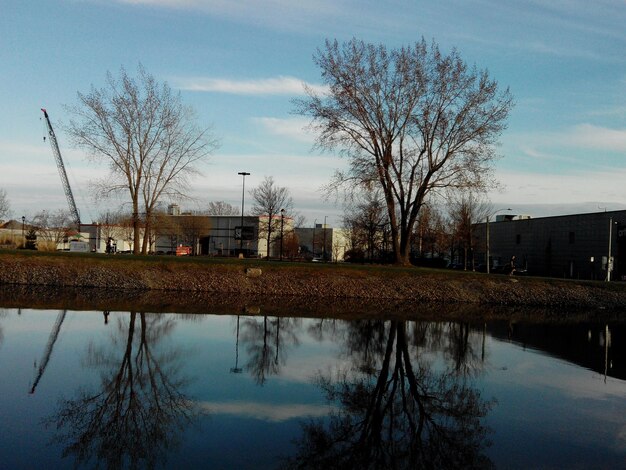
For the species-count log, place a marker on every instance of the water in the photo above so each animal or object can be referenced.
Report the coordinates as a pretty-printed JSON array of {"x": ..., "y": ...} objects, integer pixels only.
[{"x": 125, "y": 389}]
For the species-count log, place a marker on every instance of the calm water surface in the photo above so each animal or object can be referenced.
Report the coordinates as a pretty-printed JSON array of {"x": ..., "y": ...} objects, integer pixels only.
[{"x": 129, "y": 389}]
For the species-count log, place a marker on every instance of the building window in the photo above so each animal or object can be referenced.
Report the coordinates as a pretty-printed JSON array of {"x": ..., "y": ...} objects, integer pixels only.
[
  {"x": 518, "y": 239},
  {"x": 572, "y": 237}
]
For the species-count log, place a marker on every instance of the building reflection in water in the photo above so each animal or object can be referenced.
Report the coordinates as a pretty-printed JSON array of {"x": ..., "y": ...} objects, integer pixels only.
[{"x": 595, "y": 346}]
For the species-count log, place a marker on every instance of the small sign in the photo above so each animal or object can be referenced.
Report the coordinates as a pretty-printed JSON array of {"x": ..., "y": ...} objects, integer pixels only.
[
  {"x": 244, "y": 233},
  {"x": 79, "y": 246}
]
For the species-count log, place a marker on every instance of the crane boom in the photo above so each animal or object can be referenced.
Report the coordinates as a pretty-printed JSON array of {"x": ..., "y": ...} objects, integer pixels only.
[
  {"x": 54, "y": 334},
  {"x": 66, "y": 184}
]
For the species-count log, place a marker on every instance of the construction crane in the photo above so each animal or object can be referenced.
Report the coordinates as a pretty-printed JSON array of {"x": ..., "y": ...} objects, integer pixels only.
[
  {"x": 66, "y": 184},
  {"x": 54, "y": 334}
]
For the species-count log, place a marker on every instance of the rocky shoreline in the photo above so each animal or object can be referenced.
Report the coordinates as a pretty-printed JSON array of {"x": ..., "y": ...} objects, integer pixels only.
[{"x": 329, "y": 283}]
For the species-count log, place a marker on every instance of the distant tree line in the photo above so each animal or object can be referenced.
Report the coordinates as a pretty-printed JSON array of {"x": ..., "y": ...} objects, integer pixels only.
[{"x": 442, "y": 234}]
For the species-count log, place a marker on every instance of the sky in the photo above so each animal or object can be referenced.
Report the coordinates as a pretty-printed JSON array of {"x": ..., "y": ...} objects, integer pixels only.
[{"x": 241, "y": 63}]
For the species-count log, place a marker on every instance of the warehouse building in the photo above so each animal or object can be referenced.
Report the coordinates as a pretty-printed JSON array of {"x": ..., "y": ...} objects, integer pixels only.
[{"x": 580, "y": 246}]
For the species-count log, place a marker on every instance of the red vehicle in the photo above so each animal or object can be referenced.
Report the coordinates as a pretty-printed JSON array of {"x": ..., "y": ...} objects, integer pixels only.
[{"x": 183, "y": 250}]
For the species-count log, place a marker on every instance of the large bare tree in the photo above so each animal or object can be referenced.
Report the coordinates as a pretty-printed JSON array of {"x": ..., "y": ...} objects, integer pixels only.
[
  {"x": 148, "y": 137},
  {"x": 269, "y": 200},
  {"x": 411, "y": 121}
]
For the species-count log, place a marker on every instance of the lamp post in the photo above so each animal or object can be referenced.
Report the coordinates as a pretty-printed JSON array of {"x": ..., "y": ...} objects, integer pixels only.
[
  {"x": 282, "y": 224},
  {"x": 487, "y": 236},
  {"x": 609, "y": 262},
  {"x": 313, "y": 241},
  {"x": 324, "y": 229},
  {"x": 237, "y": 369},
  {"x": 243, "y": 195},
  {"x": 23, "y": 239}
]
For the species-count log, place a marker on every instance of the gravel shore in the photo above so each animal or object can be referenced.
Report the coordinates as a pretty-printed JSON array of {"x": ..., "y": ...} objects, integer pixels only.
[{"x": 304, "y": 281}]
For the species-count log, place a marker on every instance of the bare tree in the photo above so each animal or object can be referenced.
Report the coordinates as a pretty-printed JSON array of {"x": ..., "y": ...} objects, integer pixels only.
[
  {"x": 52, "y": 228},
  {"x": 5, "y": 206},
  {"x": 193, "y": 227},
  {"x": 269, "y": 200},
  {"x": 291, "y": 245},
  {"x": 148, "y": 138},
  {"x": 411, "y": 121},
  {"x": 222, "y": 208},
  {"x": 367, "y": 220},
  {"x": 465, "y": 209},
  {"x": 169, "y": 227}
]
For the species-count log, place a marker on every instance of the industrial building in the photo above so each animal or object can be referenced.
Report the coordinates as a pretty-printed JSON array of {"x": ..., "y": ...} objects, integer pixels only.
[
  {"x": 580, "y": 246},
  {"x": 323, "y": 242}
]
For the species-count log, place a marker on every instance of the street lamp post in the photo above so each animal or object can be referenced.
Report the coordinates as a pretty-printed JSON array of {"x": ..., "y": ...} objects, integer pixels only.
[
  {"x": 609, "y": 262},
  {"x": 487, "y": 236},
  {"x": 313, "y": 241},
  {"x": 282, "y": 224},
  {"x": 237, "y": 369},
  {"x": 23, "y": 239},
  {"x": 243, "y": 195},
  {"x": 324, "y": 229}
]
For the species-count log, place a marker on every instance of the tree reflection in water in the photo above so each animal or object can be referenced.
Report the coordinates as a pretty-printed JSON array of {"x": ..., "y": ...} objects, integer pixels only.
[
  {"x": 395, "y": 408},
  {"x": 267, "y": 340},
  {"x": 135, "y": 417}
]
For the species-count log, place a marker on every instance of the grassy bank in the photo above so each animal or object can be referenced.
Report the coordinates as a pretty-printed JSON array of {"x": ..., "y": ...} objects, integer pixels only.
[{"x": 253, "y": 278}]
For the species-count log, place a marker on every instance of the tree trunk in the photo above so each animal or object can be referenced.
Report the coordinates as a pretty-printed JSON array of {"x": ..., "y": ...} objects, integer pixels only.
[
  {"x": 135, "y": 228},
  {"x": 145, "y": 245},
  {"x": 269, "y": 238},
  {"x": 402, "y": 247}
]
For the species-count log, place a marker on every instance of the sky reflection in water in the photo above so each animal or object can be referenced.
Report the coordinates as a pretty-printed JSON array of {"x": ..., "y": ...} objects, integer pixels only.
[{"x": 187, "y": 391}]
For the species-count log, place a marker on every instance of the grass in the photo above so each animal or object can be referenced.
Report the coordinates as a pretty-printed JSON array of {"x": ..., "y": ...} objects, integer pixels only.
[{"x": 174, "y": 263}]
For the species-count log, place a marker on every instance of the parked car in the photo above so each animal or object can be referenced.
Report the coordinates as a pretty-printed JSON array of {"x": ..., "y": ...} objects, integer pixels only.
[{"x": 455, "y": 266}]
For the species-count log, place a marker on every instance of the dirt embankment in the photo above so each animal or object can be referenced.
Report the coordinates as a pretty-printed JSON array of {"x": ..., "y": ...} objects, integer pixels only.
[{"x": 304, "y": 281}]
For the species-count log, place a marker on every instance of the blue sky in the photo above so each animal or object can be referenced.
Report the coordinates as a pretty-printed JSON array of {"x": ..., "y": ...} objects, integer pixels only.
[{"x": 240, "y": 64}]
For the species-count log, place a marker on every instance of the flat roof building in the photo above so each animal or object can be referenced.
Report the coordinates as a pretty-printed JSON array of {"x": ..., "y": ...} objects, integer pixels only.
[{"x": 574, "y": 246}]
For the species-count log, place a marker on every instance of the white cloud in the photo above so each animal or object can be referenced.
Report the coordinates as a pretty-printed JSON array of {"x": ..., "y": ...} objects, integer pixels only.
[
  {"x": 266, "y": 412},
  {"x": 534, "y": 153},
  {"x": 280, "y": 85},
  {"x": 294, "y": 128},
  {"x": 582, "y": 136},
  {"x": 594, "y": 137}
]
